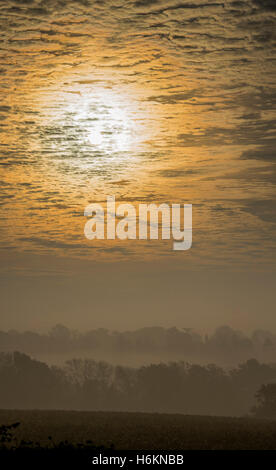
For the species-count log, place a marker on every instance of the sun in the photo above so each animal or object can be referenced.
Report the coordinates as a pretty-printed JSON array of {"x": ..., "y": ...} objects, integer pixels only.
[
  {"x": 95, "y": 137},
  {"x": 106, "y": 121},
  {"x": 112, "y": 131},
  {"x": 94, "y": 124}
]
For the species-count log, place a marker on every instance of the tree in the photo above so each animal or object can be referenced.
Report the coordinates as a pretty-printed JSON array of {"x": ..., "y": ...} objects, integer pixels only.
[{"x": 266, "y": 399}]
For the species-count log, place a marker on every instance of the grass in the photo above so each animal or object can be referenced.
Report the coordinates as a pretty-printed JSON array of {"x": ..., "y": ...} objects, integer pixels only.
[{"x": 139, "y": 431}]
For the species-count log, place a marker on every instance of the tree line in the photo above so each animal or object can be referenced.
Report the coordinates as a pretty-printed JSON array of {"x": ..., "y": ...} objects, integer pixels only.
[
  {"x": 175, "y": 387},
  {"x": 225, "y": 346}
]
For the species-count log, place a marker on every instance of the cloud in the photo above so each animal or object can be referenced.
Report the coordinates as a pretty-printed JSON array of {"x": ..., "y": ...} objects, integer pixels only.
[
  {"x": 197, "y": 74},
  {"x": 264, "y": 209},
  {"x": 265, "y": 153},
  {"x": 173, "y": 98},
  {"x": 265, "y": 4},
  {"x": 176, "y": 6},
  {"x": 250, "y": 131},
  {"x": 51, "y": 243},
  {"x": 146, "y": 3},
  {"x": 116, "y": 249},
  {"x": 178, "y": 173}
]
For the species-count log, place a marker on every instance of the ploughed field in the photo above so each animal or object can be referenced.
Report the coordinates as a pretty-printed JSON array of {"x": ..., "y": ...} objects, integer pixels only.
[{"x": 139, "y": 431}]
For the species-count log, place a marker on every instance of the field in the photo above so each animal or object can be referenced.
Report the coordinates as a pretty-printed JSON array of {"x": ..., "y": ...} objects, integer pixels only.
[{"x": 141, "y": 431}]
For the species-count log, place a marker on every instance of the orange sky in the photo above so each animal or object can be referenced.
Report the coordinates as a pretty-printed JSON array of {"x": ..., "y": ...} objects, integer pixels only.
[{"x": 149, "y": 101}]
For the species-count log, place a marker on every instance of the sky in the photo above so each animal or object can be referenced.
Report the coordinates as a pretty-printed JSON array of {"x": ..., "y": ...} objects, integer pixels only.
[{"x": 152, "y": 101}]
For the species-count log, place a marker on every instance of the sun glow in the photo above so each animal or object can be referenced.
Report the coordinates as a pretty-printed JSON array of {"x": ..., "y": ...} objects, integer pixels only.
[
  {"x": 97, "y": 119},
  {"x": 95, "y": 137},
  {"x": 112, "y": 131}
]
